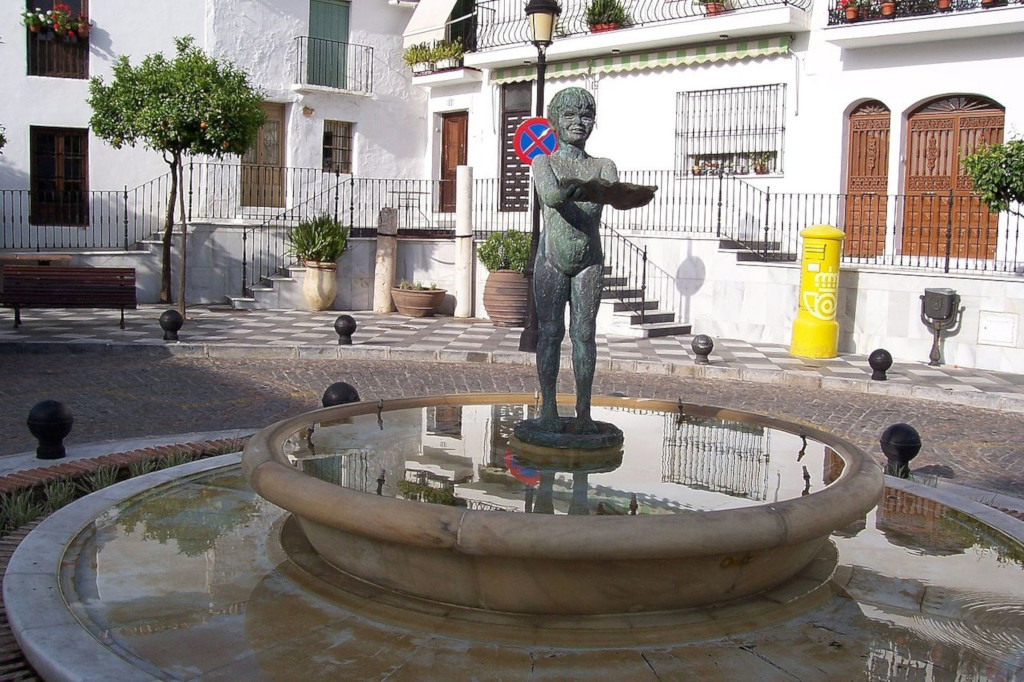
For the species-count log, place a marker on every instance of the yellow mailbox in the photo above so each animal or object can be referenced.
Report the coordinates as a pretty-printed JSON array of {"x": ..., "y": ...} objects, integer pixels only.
[{"x": 815, "y": 330}]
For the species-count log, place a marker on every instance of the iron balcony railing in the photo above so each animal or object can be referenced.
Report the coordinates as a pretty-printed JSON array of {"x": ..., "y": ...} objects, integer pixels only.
[
  {"x": 872, "y": 10},
  {"x": 501, "y": 23},
  {"x": 334, "y": 64}
]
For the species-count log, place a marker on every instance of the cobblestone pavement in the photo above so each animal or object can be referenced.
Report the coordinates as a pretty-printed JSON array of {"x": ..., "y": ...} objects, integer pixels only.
[{"x": 118, "y": 396}]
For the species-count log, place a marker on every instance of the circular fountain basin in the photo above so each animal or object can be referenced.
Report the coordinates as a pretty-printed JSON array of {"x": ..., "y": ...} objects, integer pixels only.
[{"x": 571, "y": 565}]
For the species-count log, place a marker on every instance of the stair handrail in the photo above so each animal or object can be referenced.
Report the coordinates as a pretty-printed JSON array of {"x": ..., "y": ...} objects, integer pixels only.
[
  {"x": 626, "y": 261},
  {"x": 271, "y": 257}
]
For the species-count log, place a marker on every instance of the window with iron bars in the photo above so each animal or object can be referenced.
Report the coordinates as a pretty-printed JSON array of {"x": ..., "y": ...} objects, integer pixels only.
[
  {"x": 731, "y": 130},
  {"x": 337, "y": 147}
]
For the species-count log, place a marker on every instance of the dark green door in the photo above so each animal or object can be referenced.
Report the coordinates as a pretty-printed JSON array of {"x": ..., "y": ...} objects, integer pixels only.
[{"x": 328, "y": 42}]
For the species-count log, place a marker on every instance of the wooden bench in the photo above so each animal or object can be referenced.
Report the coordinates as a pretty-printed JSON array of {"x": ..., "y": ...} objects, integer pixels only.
[{"x": 66, "y": 287}]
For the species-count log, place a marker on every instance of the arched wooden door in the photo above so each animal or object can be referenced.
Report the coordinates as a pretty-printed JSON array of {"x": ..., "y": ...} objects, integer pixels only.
[
  {"x": 867, "y": 180},
  {"x": 941, "y": 207}
]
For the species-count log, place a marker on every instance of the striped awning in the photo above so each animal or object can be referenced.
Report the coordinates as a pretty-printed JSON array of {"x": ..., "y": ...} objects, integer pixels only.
[{"x": 744, "y": 49}]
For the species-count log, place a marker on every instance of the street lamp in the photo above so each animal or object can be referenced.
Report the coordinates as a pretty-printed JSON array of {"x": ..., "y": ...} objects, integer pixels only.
[{"x": 541, "y": 16}]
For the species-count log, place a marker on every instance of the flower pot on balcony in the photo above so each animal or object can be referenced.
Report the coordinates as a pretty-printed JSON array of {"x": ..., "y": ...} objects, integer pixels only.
[
  {"x": 851, "y": 13},
  {"x": 944, "y": 5},
  {"x": 447, "y": 64},
  {"x": 422, "y": 67},
  {"x": 713, "y": 8},
  {"x": 888, "y": 9},
  {"x": 83, "y": 30},
  {"x": 600, "y": 28},
  {"x": 417, "y": 302}
]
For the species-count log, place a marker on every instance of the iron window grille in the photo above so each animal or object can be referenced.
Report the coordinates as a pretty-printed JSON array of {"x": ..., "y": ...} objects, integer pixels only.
[
  {"x": 731, "y": 130},
  {"x": 337, "y": 149}
]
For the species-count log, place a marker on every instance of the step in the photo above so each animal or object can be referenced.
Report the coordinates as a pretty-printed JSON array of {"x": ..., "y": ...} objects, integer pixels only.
[
  {"x": 620, "y": 293},
  {"x": 616, "y": 281},
  {"x": 659, "y": 329},
  {"x": 650, "y": 316},
  {"x": 773, "y": 257},
  {"x": 243, "y": 303},
  {"x": 729, "y": 244},
  {"x": 623, "y": 304}
]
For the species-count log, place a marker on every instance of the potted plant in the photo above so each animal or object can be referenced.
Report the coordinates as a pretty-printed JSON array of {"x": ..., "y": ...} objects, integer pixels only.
[
  {"x": 851, "y": 8},
  {"x": 62, "y": 21},
  {"x": 712, "y": 7},
  {"x": 419, "y": 57},
  {"x": 318, "y": 243},
  {"x": 888, "y": 8},
  {"x": 761, "y": 163},
  {"x": 447, "y": 54},
  {"x": 35, "y": 20},
  {"x": 82, "y": 25},
  {"x": 415, "y": 300},
  {"x": 944, "y": 5},
  {"x": 606, "y": 15},
  {"x": 505, "y": 255}
]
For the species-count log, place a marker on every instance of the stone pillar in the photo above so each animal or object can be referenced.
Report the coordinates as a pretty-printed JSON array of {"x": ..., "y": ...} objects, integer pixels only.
[
  {"x": 463, "y": 241},
  {"x": 384, "y": 268}
]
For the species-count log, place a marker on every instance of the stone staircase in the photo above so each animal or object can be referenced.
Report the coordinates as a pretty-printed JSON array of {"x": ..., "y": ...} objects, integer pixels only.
[
  {"x": 756, "y": 251},
  {"x": 282, "y": 291},
  {"x": 619, "y": 314}
]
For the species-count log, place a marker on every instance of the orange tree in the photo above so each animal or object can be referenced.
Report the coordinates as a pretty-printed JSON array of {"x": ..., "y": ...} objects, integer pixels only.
[{"x": 191, "y": 104}]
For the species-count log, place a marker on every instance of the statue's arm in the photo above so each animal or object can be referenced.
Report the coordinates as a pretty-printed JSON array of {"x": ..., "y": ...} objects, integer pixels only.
[{"x": 552, "y": 192}]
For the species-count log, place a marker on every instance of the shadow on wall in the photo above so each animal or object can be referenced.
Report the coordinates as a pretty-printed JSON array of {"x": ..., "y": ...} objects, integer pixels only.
[{"x": 690, "y": 278}]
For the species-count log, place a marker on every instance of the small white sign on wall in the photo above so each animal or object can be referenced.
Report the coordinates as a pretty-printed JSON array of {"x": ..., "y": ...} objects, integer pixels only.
[{"x": 997, "y": 329}]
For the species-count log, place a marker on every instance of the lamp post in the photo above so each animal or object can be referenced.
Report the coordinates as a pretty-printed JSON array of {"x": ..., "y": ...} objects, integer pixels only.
[{"x": 541, "y": 16}]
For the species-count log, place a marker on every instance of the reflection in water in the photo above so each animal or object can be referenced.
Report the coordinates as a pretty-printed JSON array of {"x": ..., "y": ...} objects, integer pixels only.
[
  {"x": 460, "y": 455},
  {"x": 717, "y": 455},
  {"x": 947, "y": 606}
]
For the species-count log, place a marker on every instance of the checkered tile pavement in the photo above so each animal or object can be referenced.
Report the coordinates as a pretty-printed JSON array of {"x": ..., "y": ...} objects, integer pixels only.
[{"x": 271, "y": 333}]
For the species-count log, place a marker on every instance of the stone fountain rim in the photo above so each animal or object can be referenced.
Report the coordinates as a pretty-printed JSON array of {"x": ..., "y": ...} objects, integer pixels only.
[{"x": 509, "y": 534}]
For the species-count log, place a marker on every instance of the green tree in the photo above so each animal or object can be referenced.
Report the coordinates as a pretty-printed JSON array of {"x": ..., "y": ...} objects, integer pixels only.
[
  {"x": 192, "y": 104},
  {"x": 997, "y": 171}
]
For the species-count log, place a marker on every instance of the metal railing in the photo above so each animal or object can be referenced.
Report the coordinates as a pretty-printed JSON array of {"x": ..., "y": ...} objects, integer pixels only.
[
  {"x": 334, "y": 64},
  {"x": 872, "y": 11},
  {"x": 57, "y": 56},
  {"x": 501, "y": 23},
  {"x": 626, "y": 265},
  {"x": 265, "y": 247}
]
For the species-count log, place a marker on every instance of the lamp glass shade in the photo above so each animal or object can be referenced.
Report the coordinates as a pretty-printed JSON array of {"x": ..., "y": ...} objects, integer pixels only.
[{"x": 541, "y": 15}]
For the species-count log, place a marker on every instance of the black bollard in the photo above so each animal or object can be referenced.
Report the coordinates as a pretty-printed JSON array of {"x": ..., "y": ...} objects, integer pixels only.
[
  {"x": 345, "y": 326},
  {"x": 171, "y": 321},
  {"x": 339, "y": 393},
  {"x": 702, "y": 345},
  {"x": 900, "y": 444},
  {"x": 880, "y": 361},
  {"x": 50, "y": 422}
]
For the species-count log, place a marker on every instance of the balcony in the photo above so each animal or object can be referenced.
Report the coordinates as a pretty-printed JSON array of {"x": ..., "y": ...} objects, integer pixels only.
[
  {"x": 501, "y": 39},
  {"x": 916, "y": 21},
  {"x": 57, "y": 56},
  {"x": 333, "y": 65}
]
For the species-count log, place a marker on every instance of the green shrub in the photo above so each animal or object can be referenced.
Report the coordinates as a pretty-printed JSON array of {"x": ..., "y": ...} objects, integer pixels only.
[
  {"x": 319, "y": 240},
  {"x": 59, "y": 492},
  {"x": 606, "y": 12},
  {"x": 505, "y": 251},
  {"x": 997, "y": 171},
  {"x": 18, "y": 508}
]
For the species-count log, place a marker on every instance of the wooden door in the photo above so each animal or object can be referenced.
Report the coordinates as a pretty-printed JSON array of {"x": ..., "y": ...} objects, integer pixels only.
[
  {"x": 515, "y": 175},
  {"x": 941, "y": 207},
  {"x": 454, "y": 134},
  {"x": 328, "y": 43},
  {"x": 263, "y": 172},
  {"x": 867, "y": 180}
]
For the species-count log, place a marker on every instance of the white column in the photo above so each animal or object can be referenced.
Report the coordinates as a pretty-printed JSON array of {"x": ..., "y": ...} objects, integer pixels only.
[
  {"x": 384, "y": 267},
  {"x": 463, "y": 241}
]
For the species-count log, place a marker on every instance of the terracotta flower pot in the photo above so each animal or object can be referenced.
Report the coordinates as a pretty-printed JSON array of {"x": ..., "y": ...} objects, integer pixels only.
[
  {"x": 888, "y": 9},
  {"x": 944, "y": 5},
  {"x": 83, "y": 30},
  {"x": 599, "y": 28},
  {"x": 320, "y": 285},
  {"x": 713, "y": 8},
  {"x": 417, "y": 302},
  {"x": 505, "y": 298},
  {"x": 852, "y": 13}
]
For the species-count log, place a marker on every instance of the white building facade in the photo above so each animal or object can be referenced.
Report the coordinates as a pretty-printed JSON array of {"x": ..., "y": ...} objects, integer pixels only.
[{"x": 755, "y": 123}]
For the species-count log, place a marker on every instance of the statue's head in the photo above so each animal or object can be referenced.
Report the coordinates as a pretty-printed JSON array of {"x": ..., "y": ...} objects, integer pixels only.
[{"x": 571, "y": 113}]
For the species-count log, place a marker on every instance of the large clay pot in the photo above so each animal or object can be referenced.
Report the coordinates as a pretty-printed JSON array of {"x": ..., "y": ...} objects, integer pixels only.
[
  {"x": 320, "y": 286},
  {"x": 417, "y": 302},
  {"x": 505, "y": 298}
]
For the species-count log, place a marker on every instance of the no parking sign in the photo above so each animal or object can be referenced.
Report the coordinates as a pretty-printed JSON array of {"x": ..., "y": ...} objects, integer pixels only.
[{"x": 534, "y": 137}]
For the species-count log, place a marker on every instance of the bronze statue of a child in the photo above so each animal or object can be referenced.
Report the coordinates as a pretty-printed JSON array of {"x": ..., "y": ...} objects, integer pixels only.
[{"x": 573, "y": 188}]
